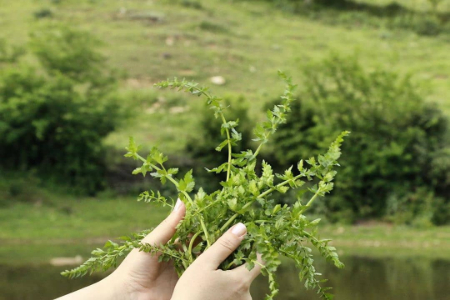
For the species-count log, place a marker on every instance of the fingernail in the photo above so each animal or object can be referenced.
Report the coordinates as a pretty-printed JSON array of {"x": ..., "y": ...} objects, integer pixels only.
[
  {"x": 239, "y": 229},
  {"x": 177, "y": 205}
]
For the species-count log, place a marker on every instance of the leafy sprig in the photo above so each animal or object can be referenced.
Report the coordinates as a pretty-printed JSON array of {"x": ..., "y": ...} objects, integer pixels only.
[{"x": 245, "y": 196}]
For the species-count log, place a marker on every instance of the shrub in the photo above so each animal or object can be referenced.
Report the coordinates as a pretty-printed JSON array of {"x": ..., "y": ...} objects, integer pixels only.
[
  {"x": 352, "y": 13},
  {"x": 43, "y": 13},
  {"x": 55, "y": 119},
  {"x": 397, "y": 144},
  {"x": 69, "y": 51},
  {"x": 20, "y": 187},
  {"x": 10, "y": 54}
]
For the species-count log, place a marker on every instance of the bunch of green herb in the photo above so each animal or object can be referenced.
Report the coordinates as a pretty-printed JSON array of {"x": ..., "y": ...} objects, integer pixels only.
[{"x": 245, "y": 197}]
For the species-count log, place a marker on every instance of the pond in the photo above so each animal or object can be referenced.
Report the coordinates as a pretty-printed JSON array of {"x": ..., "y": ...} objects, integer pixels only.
[{"x": 363, "y": 278}]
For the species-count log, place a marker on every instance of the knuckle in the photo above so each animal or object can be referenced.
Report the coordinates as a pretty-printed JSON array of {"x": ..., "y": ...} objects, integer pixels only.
[{"x": 241, "y": 285}]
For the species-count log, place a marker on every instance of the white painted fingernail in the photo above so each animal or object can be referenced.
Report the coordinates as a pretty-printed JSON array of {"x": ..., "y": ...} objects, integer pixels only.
[
  {"x": 239, "y": 229},
  {"x": 177, "y": 205}
]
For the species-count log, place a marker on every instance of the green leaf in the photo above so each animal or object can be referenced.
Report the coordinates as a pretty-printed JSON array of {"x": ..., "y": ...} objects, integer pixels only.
[
  {"x": 221, "y": 145},
  {"x": 187, "y": 184},
  {"x": 132, "y": 149}
]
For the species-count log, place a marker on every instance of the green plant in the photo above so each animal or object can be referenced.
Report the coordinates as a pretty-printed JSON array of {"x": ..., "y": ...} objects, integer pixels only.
[
  {"x": 244, "y": 197},
  {"x": 43, "y": 13},
  {"x": 397, "y": 147},
  {"x": 350, "y": 13},
  {"x": 435, "y": 4},
  {"x": 70, "y": 51},
  {"x": 201, "y": 145},
  {"x": 53, "y": 119},
  {"x": 10, "y": 54}
]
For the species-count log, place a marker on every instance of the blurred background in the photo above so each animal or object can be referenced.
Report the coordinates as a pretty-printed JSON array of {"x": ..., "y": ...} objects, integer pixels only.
[{"x": 76, "y": 80}]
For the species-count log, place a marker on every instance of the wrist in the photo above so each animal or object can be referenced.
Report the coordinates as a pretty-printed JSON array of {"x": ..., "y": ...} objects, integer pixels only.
[
  {"x": 102, "y": 290},
  {"x": 115, "y": 287},
  {"x": 106, "y": 289}
]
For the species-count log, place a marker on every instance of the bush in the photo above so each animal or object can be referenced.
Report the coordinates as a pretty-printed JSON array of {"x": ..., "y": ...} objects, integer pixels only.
[
  {"x": 392, "y": 160},
  {"x": 357, "y": 14},
  {"x": 43, "y": 13},
  {"x": 69, "y": 51},
  {"x": 19, "y": 187},
  {"x": 10, "y": 54},
  {"x": 55, "y": 119}
]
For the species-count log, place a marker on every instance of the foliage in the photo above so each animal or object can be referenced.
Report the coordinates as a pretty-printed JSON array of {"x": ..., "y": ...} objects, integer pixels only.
[
  {"x": 10, "y": 54},
  {"x": 55, "y": 120},
  {"x": 201, "y": 146},
  {"x": 43, "y": 13},
  {"x": 371, "y": 14},
  {"x": 397, "y": 148},
  {"x": 244, "y": 197},
  {"x": 17, "y": 187},
  {"x": 69, "y": 51}
]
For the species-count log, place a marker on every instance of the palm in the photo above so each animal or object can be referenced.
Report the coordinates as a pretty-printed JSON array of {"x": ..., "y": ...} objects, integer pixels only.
[
  {"x": 145, "y": 277},
  {"x": 149, "y": 278}
]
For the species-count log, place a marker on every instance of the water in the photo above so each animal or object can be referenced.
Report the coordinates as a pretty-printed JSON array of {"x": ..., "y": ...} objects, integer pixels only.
[{"x": 363, "y": 278}]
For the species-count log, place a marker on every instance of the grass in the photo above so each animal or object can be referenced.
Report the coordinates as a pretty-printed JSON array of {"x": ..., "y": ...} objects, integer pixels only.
[
  {"x": 245, "y": 42},
  {"x": 383, "y": 240},
  {"x": 36, "y": 233},
  {"x": 74, "y": 220}
]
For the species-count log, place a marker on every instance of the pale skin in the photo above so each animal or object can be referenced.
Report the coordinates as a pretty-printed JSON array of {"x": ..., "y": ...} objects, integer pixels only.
[{"x": 142, "y": 277}]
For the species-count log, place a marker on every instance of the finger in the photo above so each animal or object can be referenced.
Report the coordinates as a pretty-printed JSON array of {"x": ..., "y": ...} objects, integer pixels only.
[
  {"x": 165, "y": 231},
  {"x": 223, "y": 247},
  {"x": 249, "y": 275}
]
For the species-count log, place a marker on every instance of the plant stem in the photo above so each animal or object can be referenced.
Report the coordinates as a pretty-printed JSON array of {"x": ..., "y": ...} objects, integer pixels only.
[
  {"x": 202, "y": 222},
  {"x": 229, "y": 146},
  {"x": 173, "y": 180},
  {"x": 311, "y": 200},
  {"x": 248, "y": 204},
  {"x": 257, "y": 150},
  {"x": 191, "y": 244},
  {"x": 224, "y": 121}
]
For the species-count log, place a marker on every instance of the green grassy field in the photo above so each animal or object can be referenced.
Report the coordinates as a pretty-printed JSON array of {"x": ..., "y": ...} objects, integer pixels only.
[
  {"x": 36, "y": 233},
  {"x": 245, "y": 42},
  {"x": 82, "y": 219},
  {"x": 39, "y": 233}
]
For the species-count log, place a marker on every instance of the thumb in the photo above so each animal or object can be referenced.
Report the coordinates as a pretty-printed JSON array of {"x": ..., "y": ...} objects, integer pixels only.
[
  {"x": 223, "y": 247},
  {"x": 166, "y": 229}
]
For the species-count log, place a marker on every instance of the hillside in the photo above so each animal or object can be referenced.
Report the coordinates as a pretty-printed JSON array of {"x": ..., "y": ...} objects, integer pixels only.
[{"x": 246, "y": 42}]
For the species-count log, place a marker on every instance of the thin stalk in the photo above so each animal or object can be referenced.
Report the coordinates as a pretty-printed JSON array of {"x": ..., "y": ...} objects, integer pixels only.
[
  {"x": 229, "y": 146},
  {"x": 257, "y": 150},
  {"x": 202, "y": 222},
  {"x": 248, "y": 204},
  {"x": 312, "y": 200},
  {"x": 191, "y": 244},
  {"x": 173, "y": 180},
  {"x": 143, "y": 246},
  {"x": 224, "y": 121}
]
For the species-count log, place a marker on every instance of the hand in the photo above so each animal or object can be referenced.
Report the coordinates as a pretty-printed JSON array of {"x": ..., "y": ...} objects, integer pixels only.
[
  {"x": 204, "y": 281},
  {"x": 140, "y": 276}
]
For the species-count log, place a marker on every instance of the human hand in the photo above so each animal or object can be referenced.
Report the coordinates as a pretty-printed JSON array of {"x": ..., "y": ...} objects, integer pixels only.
[
  {"x": 204, "y": 281},
  {"x": 140, "y": 276}
]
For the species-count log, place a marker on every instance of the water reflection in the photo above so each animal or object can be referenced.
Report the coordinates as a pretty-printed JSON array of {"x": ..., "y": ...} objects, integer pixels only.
[
  {"x": 371, "y": 279},
  {"x": 363, "y": 278}
]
